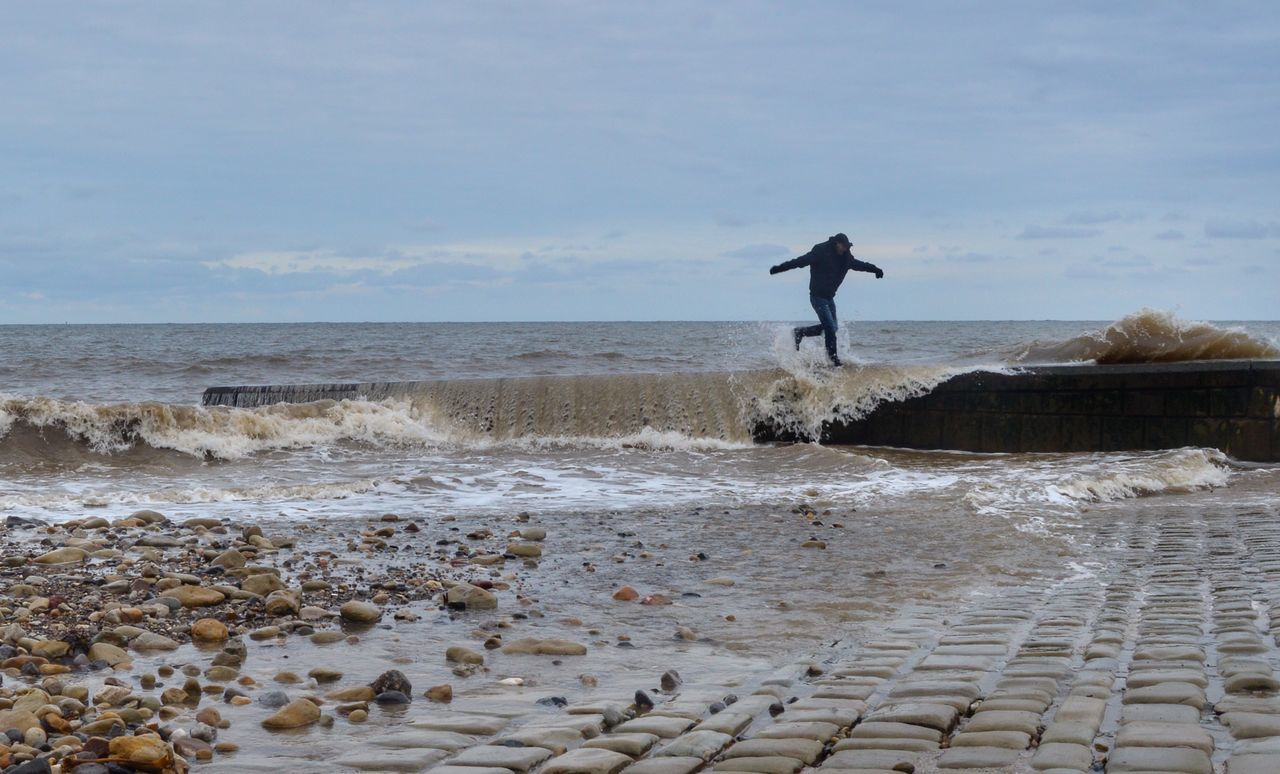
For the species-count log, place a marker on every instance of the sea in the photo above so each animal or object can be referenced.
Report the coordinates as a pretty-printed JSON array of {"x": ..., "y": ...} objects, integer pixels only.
[{"x": 551, "y": 417}]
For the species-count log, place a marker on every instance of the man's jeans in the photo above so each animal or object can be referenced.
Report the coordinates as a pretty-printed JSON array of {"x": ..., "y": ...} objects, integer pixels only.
[{"x": 827, "y": 324}]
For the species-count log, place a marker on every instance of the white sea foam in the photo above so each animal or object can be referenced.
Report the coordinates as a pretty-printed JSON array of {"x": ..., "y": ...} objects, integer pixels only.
[
  {"x": 196, "y": 494},
  {"x": 1181, "y": 470},
  {"x": 807, "y": 394},
  {"x": 219, "y": 432},
  {"x": 1036, "y": 489},
  {"x": 647, "y": 438}
]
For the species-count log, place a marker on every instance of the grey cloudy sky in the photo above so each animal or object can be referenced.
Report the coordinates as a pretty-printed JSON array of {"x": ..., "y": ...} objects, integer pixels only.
[{"x": 181, "y": 161}]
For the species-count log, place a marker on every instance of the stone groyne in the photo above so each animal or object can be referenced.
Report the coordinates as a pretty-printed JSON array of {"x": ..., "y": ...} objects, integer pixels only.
[{"x": 1231, "y": 405}]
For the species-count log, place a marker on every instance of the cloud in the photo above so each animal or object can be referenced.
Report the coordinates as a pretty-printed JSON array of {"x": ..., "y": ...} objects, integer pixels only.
[
  {"x": 1222, "y": 228},
  {"x": 1170, "y": 235},
  {"x": 442, "y": 273},
  {"x": 1089, "y": 218},
  {"x": 1058, "y": 232},
  {"x": 456, "y": 260},
  {"x": 758, "y": 252},
  {"x": 307, "y": 262}
]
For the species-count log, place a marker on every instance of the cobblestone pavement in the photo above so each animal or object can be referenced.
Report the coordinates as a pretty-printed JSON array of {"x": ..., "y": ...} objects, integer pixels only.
[{"x": 1161, "y": 658}]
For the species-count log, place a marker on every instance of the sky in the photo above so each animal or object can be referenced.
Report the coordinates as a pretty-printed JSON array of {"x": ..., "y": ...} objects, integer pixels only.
[{"x": 422, "y": 161}]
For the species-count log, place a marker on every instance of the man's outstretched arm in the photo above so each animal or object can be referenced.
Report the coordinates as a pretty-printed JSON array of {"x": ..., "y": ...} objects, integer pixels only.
[
  {"x": 870, "y": 268},
  {"x": 794, "y": 263}
]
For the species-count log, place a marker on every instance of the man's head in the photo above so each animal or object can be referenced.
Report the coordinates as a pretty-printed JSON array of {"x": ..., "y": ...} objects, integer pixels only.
[{"x": 842, "y": 244}]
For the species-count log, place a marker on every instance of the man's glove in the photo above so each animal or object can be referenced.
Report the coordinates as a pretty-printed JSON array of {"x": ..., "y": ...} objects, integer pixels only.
[
  {"x": 775, "y": 269},
  {"x": 879, "y": 274}
]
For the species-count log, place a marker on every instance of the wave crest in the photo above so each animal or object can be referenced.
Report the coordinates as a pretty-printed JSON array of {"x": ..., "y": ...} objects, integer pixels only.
[
  {"x": 681, "y": 411},
  {"x": 1181, "y": 470},
  {"x": 218, "y": 433},
  {"x": 1148, "y": 336}
]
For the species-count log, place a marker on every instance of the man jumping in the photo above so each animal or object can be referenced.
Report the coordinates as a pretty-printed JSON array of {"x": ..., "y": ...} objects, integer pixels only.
[{"x": 828, "y": 262}]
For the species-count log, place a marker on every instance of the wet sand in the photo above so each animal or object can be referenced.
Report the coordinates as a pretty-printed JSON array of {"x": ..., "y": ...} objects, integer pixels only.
[{"x": 768, "y": 639}]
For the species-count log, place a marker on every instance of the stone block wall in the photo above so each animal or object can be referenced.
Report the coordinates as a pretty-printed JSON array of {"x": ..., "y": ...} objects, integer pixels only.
[
  {"x": 1229, "y": 405},
  {"x": 266, "y": 395}
]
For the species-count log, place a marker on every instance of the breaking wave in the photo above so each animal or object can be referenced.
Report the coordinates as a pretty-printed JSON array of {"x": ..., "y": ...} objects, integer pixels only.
[
  {"x": 1181, "y": 470},
  {"x": 200, "y": 432},
  {"x": 1147, "y": 336},
  {"x": 1031, "y": 486},
  {"x": 646, "y": 411}
]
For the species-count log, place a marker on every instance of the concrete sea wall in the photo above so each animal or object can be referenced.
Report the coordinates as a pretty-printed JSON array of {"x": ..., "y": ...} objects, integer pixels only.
[{"x": 1232, "y": 405}]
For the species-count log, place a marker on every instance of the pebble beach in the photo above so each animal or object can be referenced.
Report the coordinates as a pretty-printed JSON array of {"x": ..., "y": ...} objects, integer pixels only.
[
  {"x": 335, "y": 644},
  {"x": 147, "y": 643}
]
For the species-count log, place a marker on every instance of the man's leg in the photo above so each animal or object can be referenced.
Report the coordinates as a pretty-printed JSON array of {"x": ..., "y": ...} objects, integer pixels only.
[
  {"x": 826, "y": 309},
  {"x": 805, "y": 332},
  {"x": 810, "y": 330}
]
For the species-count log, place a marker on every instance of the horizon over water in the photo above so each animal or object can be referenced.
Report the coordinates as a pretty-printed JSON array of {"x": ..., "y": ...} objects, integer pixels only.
[{"x": 174, "y": 362}]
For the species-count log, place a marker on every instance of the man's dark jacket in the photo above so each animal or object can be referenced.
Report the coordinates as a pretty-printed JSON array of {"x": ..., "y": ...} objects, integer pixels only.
[{"x": 826, "y": 268}]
